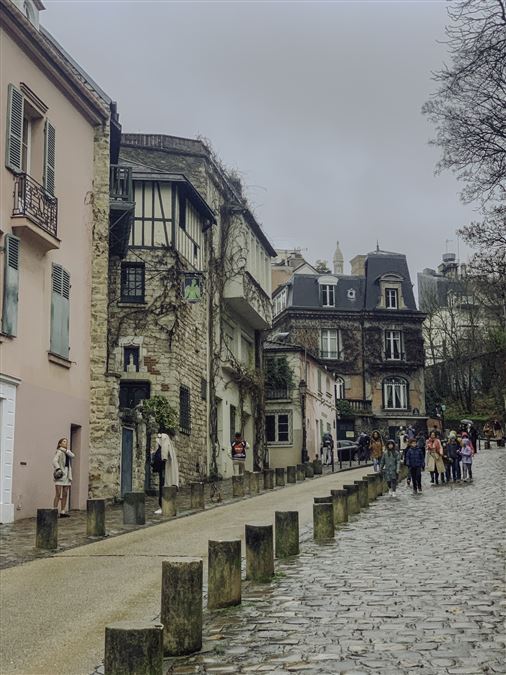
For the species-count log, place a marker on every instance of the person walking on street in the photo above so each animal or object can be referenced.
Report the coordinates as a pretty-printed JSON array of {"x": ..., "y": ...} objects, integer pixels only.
[
  {"x": 467, "y": 460},
  {"x": 415, "y": 460},
  {"x": 62, "y": 475},
  {"x": 390, "y": 466},
  {"x": 376, "y": 449},
  {"x": 453, "y": 454},
  {"x": 435, "y": 462}
]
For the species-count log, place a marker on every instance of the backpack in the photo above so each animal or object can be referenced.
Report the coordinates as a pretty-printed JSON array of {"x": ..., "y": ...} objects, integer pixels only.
[{"x": 156, "y": 460}]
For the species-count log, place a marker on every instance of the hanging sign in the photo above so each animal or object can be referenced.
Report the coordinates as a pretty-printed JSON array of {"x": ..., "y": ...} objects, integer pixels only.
[{"x": 192, "y": 286}]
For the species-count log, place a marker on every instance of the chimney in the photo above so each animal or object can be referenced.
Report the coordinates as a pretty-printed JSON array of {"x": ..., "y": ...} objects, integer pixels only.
[{"x": 358, "y": 266}]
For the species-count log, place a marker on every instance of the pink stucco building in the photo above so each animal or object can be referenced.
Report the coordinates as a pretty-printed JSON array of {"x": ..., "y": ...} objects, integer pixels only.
[{"x": 51, "y": 122}]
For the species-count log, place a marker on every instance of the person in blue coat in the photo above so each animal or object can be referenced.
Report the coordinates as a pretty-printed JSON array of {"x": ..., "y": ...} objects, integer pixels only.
[{"x": 415, "y": 459}]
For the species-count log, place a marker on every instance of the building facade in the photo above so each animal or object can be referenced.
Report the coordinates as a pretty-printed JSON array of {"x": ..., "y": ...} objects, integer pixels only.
[
  {"x": 366, "y": 329},
  {"x": 56, "y": 142},
  {"x": 191, "y": 222},
  {"x": 300, "y": 401}
]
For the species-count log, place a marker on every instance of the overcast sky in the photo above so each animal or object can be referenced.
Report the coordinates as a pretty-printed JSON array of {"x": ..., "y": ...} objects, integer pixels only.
[{"x": 316, "y": 104}]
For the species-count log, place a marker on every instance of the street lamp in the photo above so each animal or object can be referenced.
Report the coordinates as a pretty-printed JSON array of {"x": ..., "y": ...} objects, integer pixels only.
[{"x": 303, "y": 392}]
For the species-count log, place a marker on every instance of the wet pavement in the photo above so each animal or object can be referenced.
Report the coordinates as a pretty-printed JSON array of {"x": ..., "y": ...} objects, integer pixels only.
[
  {"x": 17, "y": 540},
  {"x": 415, "y": 584}
]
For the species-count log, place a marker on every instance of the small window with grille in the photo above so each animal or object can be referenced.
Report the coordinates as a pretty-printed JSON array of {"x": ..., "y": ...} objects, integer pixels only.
[
  {"x": 184, "y": 410},
  {"x": 132, "y": 282}
]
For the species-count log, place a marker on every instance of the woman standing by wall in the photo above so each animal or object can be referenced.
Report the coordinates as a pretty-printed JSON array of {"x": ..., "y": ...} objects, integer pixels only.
[{"x": 62, "y": 475}]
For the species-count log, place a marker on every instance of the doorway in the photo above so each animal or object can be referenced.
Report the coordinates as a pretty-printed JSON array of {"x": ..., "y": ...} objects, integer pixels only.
[
  {"x": 75, "y": 447},
  {"x": 127, "y": 445}
]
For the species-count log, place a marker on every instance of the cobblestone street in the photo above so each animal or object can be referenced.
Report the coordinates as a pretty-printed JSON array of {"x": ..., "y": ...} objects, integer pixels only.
[{"x": 416, "y": 584}]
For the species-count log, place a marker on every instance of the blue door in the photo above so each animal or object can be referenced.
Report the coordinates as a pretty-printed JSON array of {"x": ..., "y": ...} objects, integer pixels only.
[{"x": 127, "y": 444}]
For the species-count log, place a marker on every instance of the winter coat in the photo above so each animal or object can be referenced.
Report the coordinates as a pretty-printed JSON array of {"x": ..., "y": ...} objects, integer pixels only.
[
  {"x": 467, "y": 452},
  {"x": 60, "y": 462},
  {"x": 415, "y": 457},
  {"x": 390, "y": 464},
  {"x": 453, "y": 450},
  {"x": 435, "y": 455},
  {"x": 376, "y": 447}
]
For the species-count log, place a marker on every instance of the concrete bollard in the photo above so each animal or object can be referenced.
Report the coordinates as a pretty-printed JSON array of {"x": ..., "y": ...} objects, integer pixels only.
[
  {"x": 224, "y": 573},
  {"x": 133, "y": 648},
  {"x": 238, "y": 486},
  {"x": 362, "y": 493},
  {"x": 323, "y": 500},
  {"x": 47, "y": 529},
  {"x": 286, "y": 533},
  {"x": 268, "y": 479},
  {"x": 301, "y": 473},
  {"x": 384, "y": 485},
  {"x": 197, "y": 498},
  {"x": 317, "y": 467},
  {"x": 371, "y": 487},
  {"x": 181, "y": 611},
  {"x": 255, "y": 479},
  {"x": 291, "y": 474},
  {"x": 259, "y": 553},
  {"x": 95, "y": 517},
  {"x": 280, "y": 477},
  {"x": 353, "y": 503},
  {"x": 323, "y": 521},
  {"x": 134, "y": 508},
  {"x": 308, "y": 470},
  {"x": 340, "y": 504},
  {"x": 169, "y": 501}
]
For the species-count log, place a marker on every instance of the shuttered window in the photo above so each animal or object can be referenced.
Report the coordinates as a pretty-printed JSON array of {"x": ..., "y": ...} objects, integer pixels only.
[
  {"x": 14, "y": 145},
  {"x": 49, "y": 156},
  {"x": 60, "y": 305},
  {"x": 11, "y": 285},
  {"x": 185, "y": 420}
]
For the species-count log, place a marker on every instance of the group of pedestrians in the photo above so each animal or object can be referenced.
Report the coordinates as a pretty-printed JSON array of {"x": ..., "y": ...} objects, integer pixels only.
[{"x": 447, "y": 459}]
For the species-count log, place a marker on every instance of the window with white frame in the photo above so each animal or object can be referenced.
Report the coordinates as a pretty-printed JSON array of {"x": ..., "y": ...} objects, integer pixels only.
[
  {"x": 278, "y": 427},
  {"x": 391, "y": 298},
  {"x": 280, "y": 302},
  {"x": 340, "y": 389},
  {"x": 395, "y": 393},
  {"x": 393, "y": 345},
  {"x": 330, "y": 343},
  {"x": 328, "y": 295}
]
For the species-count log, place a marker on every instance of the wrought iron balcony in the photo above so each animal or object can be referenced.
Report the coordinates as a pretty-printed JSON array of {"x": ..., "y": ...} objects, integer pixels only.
[
  {"x": 121, "y": 185},
  {"x": 32, "y": 201},
  {"x": 277, "y": 394}
]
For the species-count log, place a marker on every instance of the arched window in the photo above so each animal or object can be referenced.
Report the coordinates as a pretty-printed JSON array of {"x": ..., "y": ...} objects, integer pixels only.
[
  {"x": 395, "y": 393},
  {"x": 340, "y": 393}
]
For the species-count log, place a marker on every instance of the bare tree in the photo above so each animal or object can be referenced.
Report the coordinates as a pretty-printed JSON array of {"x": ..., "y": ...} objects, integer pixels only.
[
  {"x": 469, "y": 106},
  {"x": 322, "y": 267}
]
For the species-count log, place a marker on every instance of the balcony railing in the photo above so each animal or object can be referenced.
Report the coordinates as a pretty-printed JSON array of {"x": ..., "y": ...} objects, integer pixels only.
[
  {"x": 277, "y": 394},
  {"x": 359, "y": 405},
  {"x": 34, "y": 202},
  {"x": 332, "y": 355},
  {"x": 120, "y": 184}
]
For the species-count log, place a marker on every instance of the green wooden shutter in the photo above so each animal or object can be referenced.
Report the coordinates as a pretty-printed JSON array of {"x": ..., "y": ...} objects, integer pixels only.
[
  {"x": 49, "y": 156},
  {"x": 60, "y": 314},
  {"x": 11, "y": 285},
  {"x": 15, "y": 111}
]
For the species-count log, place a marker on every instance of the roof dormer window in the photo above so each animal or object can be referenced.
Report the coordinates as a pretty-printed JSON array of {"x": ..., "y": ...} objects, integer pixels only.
[
  {"x": 328, "y": 295},
  {"x": 391, "y": 298}
]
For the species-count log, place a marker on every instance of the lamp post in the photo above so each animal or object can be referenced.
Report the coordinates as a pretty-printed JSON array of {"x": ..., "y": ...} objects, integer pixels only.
[{"x": 303, "y": 392}]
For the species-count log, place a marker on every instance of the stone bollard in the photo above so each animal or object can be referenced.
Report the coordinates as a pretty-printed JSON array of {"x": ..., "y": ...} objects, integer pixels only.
[
  {"x": 317, "y": 467},
  {"x": 95, "y": 517},
  {"x": 340, "y": 504},
  {"x": 268, "y": 479},
  {"x": 47, "y": 529},
  {"x": 301, "y": 473},
  {"x": 308, "y": 470},
  {"x": 384, "y": 485},
  {"x": 238, "y": 486},
  {"x": 255, "y": 479},
  {"x": 323, "y": 521},
  {"x": 134, "y": 508},
  {"x": 169, "y": 501},
  {"x": 259, "y": 553},
  {"x": 371, "y": 487},
  {"x": 362, "y": 493},
  {"x": 378, "y": 484},
  {"x": 287, "y": 533},
  {"x": 133, "y": 648},
  {"x": 197, "y": 497},
  {"x": 224, "y": 573},
  {"x": 280, "y": 477},
  {"x": 353, "y": 503},
  {"x": 291, "y": 474},
  {"x": 181, "y": 612},
  {"x": 323, "y": 500}
]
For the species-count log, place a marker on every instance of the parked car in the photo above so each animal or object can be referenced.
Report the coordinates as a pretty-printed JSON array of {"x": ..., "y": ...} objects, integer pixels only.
[{"x": 346, "y": 451}]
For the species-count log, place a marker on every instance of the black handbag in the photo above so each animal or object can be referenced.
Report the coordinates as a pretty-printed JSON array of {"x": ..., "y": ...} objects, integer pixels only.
[{"x": 58, "y": 474}]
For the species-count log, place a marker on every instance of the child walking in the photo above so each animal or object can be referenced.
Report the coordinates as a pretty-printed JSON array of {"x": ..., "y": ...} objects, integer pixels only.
[
  {"x": 390, "y": 466},
  {"x": 415, "y": 460},
  {"x": 466, "y": 452}
]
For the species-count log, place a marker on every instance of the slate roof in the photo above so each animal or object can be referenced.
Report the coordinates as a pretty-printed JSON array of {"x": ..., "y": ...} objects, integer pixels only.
[{"x": 304, "y": 288}]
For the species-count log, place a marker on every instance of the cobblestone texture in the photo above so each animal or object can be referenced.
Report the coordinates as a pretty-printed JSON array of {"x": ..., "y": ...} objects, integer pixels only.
[
  {"x": 414, "y": 584},
  {"x": 17, "y": 540}
]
